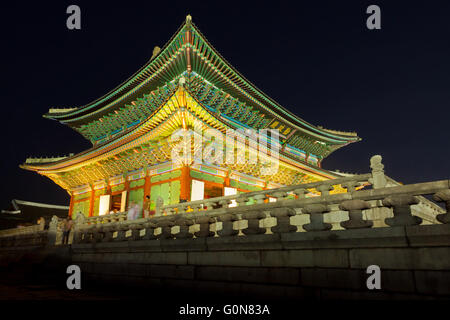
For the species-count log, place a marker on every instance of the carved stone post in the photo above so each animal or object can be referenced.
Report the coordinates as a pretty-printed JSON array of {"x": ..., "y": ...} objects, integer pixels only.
[
  {"x": 224, "y": 203},
  {"x": 78, "y": 234},
  {"x": 259, "y": 198},
  {"x": 227, "y": 225},
  {"x": 283, "y": 220},
  {"x": 279, "y": 195},
  {"x": 90, "y": 234},
  {"x": 316, "y": 212},
  {"x": 136, "y": 231},
  {"x": 401, "y": 205},
  {"x": 108, "y": 230},
  {"x": 52, "y": 230},
  {"x": 184, "y": 224},
  {"x": 204, "y": 223},
  {"x": 300, "y": 193},
  {"x": 324, "y": 189},
  {"x": 149, "y": 230},
  {"x": 241, "y": 200},
  {"x": 82, "y": 234},
  {"x": 378, "y": 179},
  {"x": 99, "y": 233},
  {"x": 196, "y": 207},
  {"x": 253, "y": 218},
  {"x": 350, "y": 185},
  {"x": 181, "y": 208},
  {"x": 122, "y": 228},
  {"x": 355, "y": 208},
  {"x": 443, "y": 196},
  {"x": 166, "y": 225}
]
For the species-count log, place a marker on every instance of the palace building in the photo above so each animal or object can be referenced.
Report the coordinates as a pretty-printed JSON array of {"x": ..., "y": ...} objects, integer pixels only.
[{"x": 186, "y": 86}]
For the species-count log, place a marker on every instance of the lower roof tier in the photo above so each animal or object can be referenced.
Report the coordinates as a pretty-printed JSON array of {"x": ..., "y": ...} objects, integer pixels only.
[{"x": 152, "y": 143}]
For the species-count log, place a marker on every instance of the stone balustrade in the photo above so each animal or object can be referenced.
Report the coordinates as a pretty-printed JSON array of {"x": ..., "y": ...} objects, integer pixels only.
[
  {"x": 22, "y": 230},
  {"x": 216, "y": 217},
  {"x": 34, "y": 235},
  {"x": 299, "y": 208}
]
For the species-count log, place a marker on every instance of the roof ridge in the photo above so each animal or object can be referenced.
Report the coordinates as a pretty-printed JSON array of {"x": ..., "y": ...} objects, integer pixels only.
[{"x": 39, "y": 204}]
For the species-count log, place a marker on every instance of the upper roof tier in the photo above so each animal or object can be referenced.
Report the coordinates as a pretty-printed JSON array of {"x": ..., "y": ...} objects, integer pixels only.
[{"x": 212, "y": 80}]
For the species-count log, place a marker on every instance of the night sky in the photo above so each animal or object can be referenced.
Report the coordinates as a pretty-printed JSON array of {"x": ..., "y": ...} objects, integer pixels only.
[{"x": 316, "y": 58}]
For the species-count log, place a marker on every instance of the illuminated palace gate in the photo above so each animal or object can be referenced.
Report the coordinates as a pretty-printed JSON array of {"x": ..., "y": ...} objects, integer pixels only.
[{"x": 185, "y": 85}]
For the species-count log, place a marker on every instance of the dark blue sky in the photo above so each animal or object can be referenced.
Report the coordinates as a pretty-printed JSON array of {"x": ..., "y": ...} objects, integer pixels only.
[{"x": 316, "y": 58}]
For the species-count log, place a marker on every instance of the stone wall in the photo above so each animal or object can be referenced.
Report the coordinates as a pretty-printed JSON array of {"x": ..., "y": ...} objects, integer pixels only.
[{"x": 414, "y": 262}]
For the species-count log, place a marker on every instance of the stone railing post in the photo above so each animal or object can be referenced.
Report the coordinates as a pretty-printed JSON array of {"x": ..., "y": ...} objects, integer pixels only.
[
  {"x": 184, "y": 224},
  {"x": 90, "y": 234},
  {"x": 79, "y": 222},
  {"x": 350, "y": 185},
  {"x": 149, "y": 227},
  {"x": 241, "y": 200},
  {"x": 108, "y": 230},
  {"x": 52, "y": 230},
  {"x": 253, "y": 218},
  {"x": 401, "y": 205},
  {"x": 196, "y": 207},
  {"x": 355, "y": 208},
  {"x": 443, "y": 196},
  {"x": 283, "y": 220},
  {"x": 136, "y": 231},
  {"x": 279, "y": 195},
  {"x": 181, "y": 208},
  {"x": 166, "y": 225},
  {"x": 204, "y": 223},
  {"x": 324, "y": 189},
  {"x": 227, "y": 225},
  {"x": 316, "y": 212},
  {"x": 224, "y": 203},
  {"x": 99, "y": 233},
  {"x": 378, "y": 179},
  {"x": 300, "y": 193},
  {"x": 122, "y": 228},
  {"x": 259, "y": 198}
]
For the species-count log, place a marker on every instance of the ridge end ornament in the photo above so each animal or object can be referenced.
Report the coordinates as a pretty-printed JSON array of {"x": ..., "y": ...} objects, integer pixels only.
[
  {"x": 156, "y": 51},
  {"x": 188, "y": 19}
]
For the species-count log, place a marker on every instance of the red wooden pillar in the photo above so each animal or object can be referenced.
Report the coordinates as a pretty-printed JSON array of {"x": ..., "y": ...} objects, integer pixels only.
[
  {"x": 91, "y": 202},
  {"x": 71, "y": 204},
  {"x": 126, "y": 187},
  {"x": 226, "y": 182},
  {"x": 108, "y": 192},
  {"x": 147, "y": 186},
  {"x": 185, "y": 183}
]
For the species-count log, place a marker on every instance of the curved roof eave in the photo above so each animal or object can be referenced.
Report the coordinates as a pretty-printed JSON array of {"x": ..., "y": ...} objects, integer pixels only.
[{"x": 63, "y": 164}]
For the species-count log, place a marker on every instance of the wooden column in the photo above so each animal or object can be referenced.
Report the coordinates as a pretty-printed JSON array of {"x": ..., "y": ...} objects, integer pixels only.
[
  {"x": 226, "y": 182},
  {"x": 71, "y": 204},
  {"x": 91, "y": 202},
  {"x": 126, "y": 187},
  {"x": 108, "y": 187},
  {"x": 147, "y": 186},
  {"x": 185, "y": 182}
]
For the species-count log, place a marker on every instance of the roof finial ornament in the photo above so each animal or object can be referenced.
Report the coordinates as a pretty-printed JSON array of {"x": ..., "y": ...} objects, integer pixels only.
[
  {"x": 188, "y": 19},
  {"x": 156, "y": 50}
]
